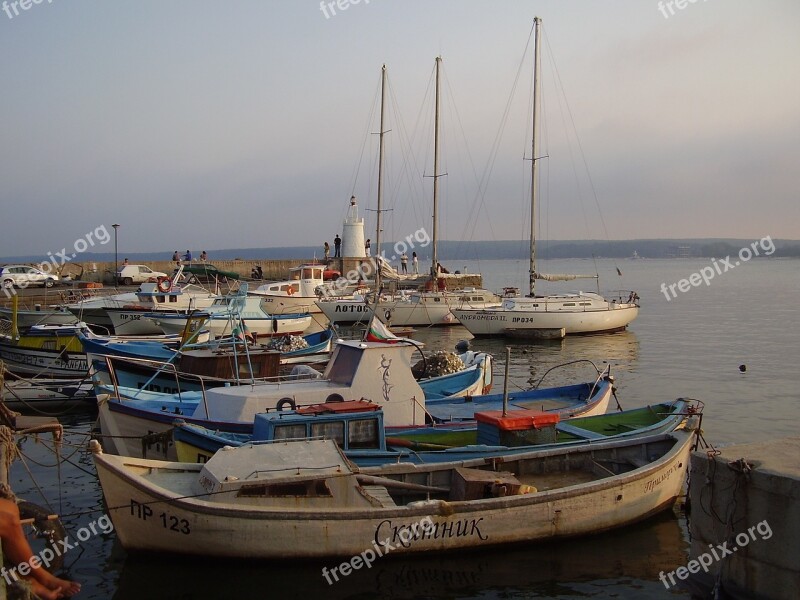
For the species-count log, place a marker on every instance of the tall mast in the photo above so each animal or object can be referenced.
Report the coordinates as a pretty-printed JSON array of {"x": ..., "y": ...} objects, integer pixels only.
[
  {"x": 380, "y": 184},
  {"x": 435, "y": 257},
  {"x": 537, "y": 91}
]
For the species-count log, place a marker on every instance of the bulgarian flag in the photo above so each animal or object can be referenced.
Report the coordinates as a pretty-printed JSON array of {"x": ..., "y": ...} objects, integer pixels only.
[{"x": 379, "y": 332}]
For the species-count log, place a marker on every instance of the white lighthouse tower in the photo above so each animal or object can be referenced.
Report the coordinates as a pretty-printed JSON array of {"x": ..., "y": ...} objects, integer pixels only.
[{"x": 353, "y": 233}]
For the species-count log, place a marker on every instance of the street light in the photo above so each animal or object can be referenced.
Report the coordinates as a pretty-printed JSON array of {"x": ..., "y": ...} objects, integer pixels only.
[{"x": 116, "y": 257}]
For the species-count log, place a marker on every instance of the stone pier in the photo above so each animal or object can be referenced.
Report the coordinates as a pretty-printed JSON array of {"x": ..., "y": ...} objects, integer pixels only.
[{"x": 745, "y": 520}]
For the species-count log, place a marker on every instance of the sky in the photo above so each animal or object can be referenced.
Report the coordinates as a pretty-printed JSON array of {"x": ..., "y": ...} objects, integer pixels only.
[{"x": 201, "y": 125}]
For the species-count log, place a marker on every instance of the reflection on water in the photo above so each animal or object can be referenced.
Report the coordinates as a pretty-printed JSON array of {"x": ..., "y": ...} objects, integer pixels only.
[
  {"x": 629, "y": 559},
  {"x": 688, "y": 346},
  {"x": 531, "y": 360}
]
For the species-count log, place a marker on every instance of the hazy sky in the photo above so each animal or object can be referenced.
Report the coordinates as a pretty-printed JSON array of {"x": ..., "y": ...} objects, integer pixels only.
[{"x": 203, "y": 125}]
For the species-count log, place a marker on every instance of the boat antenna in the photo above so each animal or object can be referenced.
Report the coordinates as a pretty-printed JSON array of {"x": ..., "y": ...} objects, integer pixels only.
[
  {"x": 377, "y": 260},
  {"x": 436, "y": 175},
  {"x": 537, "y": 91}
]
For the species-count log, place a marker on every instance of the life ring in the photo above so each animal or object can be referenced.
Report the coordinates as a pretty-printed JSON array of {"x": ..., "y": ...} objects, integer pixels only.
[
  {"x": 290, "y": 291},
  {"x": 283, "y": 402},
  {"x": 164, "y": 285}
]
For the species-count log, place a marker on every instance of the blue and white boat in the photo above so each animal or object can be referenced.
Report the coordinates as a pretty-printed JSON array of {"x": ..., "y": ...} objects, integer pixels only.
[
  {"x": 371, "y": 370},
  {"x": 357, "y": 427}
]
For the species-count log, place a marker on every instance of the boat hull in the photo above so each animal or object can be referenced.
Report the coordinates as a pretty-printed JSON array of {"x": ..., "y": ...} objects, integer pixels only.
[
  {"x": 498, "y": 322},
  {"x": 149, "y": 518}
]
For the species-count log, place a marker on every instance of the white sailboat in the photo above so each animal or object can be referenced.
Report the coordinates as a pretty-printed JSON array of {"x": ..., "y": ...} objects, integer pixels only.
[
  {"x": 414, "y": 308},
  {"x": 555, "y": 315}
]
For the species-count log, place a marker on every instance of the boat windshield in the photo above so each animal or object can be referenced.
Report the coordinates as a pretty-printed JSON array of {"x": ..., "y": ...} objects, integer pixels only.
[{"x": 342, "y": 367}]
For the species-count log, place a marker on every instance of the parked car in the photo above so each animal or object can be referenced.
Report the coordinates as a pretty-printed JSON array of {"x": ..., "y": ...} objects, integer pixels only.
[
  {"x": 130, "y": 274},
  {"x": 24, "y": 275}
]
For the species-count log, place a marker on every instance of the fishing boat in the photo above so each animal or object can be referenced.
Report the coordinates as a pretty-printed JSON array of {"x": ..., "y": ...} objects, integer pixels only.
[
  {"x": 55, "y": 315},
  {"x": 239, "y": 310},
  {"x": 376, "y": 371},
  {"x": 48, "y": 394},
  {"x": 553, "y": 315},
  {"x": 298, "y": 294},
  {"x": 157, "y": 298},
  {"x": 247, "y": 502},
  {"x": 44, "y": 350},
  {"x": 357, "y": 427},
  {"x": 172, "y": 369}
]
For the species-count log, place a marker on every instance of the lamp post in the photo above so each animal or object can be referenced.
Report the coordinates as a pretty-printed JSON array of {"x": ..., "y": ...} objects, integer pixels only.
[{"x": 116, "y": 256}]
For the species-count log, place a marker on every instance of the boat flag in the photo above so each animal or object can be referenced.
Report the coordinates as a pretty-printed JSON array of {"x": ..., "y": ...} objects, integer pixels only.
[{"x": 379, "y": 332}]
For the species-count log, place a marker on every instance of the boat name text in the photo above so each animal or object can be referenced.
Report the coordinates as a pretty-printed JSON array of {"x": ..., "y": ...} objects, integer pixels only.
[{"x": 404, "y": 535}]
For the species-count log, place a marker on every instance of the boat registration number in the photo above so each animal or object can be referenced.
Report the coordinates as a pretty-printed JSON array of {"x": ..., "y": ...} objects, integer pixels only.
[{"x": 168, "y": 521}]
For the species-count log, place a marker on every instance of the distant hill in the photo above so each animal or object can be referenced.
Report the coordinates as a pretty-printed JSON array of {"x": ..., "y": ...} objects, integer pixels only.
[{"x": 485, "y": 250}]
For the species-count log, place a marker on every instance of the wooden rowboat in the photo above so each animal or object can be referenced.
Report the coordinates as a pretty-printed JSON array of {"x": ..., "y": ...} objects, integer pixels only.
[{"x": 303, "y": 499}]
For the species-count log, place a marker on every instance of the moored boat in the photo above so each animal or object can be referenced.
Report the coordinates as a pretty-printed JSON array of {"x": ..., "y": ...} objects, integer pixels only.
[
  {"x": 357, "y": 427},
  {"x": 247, "y": 502}
]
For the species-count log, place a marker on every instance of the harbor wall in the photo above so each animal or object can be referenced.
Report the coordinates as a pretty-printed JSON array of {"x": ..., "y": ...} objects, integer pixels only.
[
  {"x": 744, "y": 521},
  {"x": 273, "y": 269}
]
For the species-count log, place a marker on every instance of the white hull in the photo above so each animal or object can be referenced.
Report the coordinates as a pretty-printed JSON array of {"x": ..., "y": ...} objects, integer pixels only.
[
  {"x": 132, "y": 322},
  {"x": 419, "y": 309},
  {"x": 170, "y": 513},
  {"x": 223, "y": 326},
  {"x": 602, "y": 317},
  {"x": 29, "y": 318}
]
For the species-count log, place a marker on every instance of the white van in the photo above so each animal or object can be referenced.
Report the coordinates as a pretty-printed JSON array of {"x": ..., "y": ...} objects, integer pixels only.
[{"x": 130, "y": 274}]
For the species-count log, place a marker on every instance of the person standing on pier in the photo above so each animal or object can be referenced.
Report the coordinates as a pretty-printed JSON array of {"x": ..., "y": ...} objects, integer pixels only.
[
  {"x": 404, "y": 262},
  {"x": 337, "y": 247},
  {"x": 415, "y": 263},
  {"x": 327, "y": 248},
  {"x": 368, "y": 248}
]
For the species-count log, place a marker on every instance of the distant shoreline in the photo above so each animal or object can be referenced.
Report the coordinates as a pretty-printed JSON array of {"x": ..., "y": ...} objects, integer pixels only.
[{"x": 481, "y": 250}]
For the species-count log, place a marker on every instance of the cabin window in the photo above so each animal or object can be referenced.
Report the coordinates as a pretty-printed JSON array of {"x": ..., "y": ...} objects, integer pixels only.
[
  {"x": 317, "y": 273},
  {"x": 308, "y": 489},
  {"x": 437, "y": 299},
  {"x": 343, "y": 366},
  {"x": 332, "y": 430},
  {"x": 477, "y": 299},
  {"x": 289, "y": 432},
  {"x": 173, "y": 298},
  {"x": 585, "y": 304},
  {"x": 569, "y": 304},
  {"x": 363, "y": 433},
  {"x": 49, "y": 345}
]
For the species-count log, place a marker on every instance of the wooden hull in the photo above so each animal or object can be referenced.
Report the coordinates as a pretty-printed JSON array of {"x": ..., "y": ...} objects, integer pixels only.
[{"x": 150, "y": 517}]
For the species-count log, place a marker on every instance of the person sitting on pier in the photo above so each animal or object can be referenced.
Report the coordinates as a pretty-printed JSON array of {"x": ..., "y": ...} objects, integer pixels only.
[{"x": 17, "y": 549}]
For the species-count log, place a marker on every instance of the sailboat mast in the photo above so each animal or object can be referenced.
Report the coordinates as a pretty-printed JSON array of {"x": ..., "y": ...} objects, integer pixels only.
[
  {"x": 435, "y": 253},
  {"x": 537, "y": 91},
  {"x": 380, "y": 185}
]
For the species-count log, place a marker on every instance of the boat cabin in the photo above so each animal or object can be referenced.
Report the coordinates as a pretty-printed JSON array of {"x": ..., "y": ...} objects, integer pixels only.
[{"x": 354, "y": 424}]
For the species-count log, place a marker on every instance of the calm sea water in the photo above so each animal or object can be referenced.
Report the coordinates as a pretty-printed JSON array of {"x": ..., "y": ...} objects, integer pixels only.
[{"x": 689, "y": 346}]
